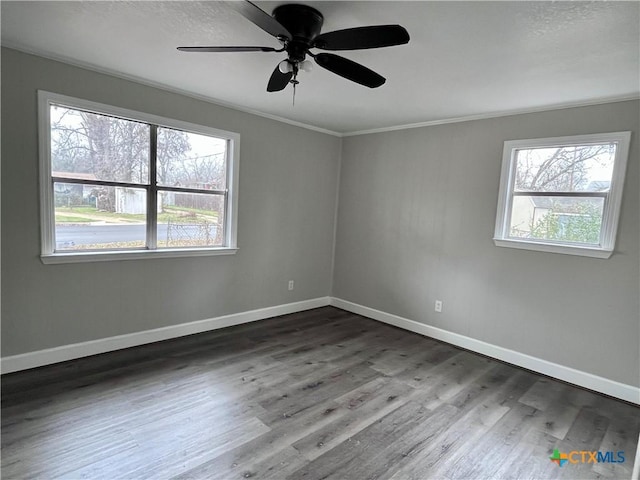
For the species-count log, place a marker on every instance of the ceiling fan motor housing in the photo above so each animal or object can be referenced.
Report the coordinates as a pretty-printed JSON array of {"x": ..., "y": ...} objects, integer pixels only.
[{"x": 304, "y": 23}]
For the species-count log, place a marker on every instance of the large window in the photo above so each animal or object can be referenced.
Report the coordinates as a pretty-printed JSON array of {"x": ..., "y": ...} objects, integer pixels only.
[
  {"x": 562, "y": 195},
  {"x": 122, "y": 184}
]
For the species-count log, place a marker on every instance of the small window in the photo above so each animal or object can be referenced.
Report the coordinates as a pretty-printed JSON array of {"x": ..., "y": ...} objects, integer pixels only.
[
  {"x": 120, "y": 184},
  {"x": 563, "y": 194}
]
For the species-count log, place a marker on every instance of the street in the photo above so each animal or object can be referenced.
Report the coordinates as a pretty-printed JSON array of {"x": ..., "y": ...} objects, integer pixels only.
[{"x": 73, "y": 235}]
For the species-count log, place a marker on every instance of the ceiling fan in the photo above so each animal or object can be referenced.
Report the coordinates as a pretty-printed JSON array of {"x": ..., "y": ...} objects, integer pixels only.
[{"x": 297, "y": 27}]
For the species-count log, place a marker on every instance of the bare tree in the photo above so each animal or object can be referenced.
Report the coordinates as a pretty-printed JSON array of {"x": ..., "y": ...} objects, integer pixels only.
[
  {"x": 206, "y": 170},
  {"x": 109, "y": 148},
  {"x": 172, "y": 146},
  {"x": 564, "y": 169}
]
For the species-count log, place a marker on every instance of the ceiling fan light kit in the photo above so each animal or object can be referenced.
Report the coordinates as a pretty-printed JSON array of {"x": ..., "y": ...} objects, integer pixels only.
[{"x": 298, "y": 28}]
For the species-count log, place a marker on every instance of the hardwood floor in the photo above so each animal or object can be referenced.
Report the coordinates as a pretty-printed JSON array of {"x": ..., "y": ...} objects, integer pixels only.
[{"x": 314, "y": 395}]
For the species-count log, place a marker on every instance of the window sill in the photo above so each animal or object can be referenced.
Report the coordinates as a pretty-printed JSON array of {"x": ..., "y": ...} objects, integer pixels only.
[
  {"x": 595, "y": 252},
  {"x": 84, "y": 257}
]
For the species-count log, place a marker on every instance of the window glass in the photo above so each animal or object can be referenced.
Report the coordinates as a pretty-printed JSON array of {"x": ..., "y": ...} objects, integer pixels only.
[
  {"x": 577, "y": 168},
  {"x": 190, "y": 220},
  {"x": 90, "y": 217},
  {"x": 564, "y": 219},
  {"x": 89, "y": 146},
  {"x": 191, "y": 160}
]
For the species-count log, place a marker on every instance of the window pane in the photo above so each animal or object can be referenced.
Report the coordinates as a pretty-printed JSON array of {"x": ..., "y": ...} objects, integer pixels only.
[
  {"x": 191, "y": 160},
  {"x": 190, "y": 220},
  {"x": 564, "y": 219},
  {"x": 90, "y": 217},
  {"x": 90, "y": 146},
  {"x": 581, "y": 168}
]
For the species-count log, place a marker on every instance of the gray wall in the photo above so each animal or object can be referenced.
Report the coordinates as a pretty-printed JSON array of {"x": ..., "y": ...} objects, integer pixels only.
[
  {"x": 288, "y": 181},
  {"x": 415, "y": 223}
]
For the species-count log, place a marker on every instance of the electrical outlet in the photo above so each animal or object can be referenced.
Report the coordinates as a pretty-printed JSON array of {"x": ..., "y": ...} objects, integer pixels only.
[
  {"x": 438, "y": 306},
  {"x": 290, "y": 284}
]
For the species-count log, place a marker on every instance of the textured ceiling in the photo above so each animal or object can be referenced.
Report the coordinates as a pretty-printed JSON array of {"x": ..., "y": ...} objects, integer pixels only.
[{"x": 464, "y": 58}]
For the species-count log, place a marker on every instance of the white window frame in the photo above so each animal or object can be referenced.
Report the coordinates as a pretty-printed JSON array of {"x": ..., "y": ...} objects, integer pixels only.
[
  {"x": 612, "y": 200},
  {"x": 47, "y": 213}
]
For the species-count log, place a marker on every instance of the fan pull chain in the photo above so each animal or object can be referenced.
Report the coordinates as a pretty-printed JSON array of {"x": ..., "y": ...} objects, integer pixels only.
[{"x": 295, "y": 82}]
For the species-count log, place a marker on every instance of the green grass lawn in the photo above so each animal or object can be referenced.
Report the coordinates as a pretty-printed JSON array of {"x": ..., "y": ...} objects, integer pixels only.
[
  {"x": 68, "y": 219},
  {"x": 97, "y": 215},
  {"x": 197, "y": 211},
  {"x": 85, "y": 214}
]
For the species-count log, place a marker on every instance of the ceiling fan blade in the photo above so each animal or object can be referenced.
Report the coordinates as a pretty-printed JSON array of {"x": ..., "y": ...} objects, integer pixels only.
[
  {"x": 349, "y": 69},
  {"x": 259, "y": 17},
  {"x": 228, "y": 49},
  {"x": 278, "y": 80},
  {"x": 358, "y": 38}
]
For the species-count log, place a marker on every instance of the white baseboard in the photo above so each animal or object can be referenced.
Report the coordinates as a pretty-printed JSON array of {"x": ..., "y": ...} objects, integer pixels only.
[
  {"x": 77, "y": 350},
  {"x": 561, "y": 372}
]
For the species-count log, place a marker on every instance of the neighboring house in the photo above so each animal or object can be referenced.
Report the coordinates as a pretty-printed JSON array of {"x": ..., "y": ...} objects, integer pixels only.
[
  {"x": 134, "y": 201},
  {"x": 130, "y": 200},
  {"x": 70, "y": 194},
  {"x": 528, "y": 211},
  {"x": 127, "y": 200}
]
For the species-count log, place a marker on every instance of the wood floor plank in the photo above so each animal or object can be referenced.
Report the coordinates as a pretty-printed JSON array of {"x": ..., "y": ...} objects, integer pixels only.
[
  {"x": 393, "y": 356},
  {"x": 530, "y": 458},
  {"x": 447, "y": 379},
  {"x": 52, "y": 456},
  {"x": 413, "y": 368},
  {"x": 586, "y": 434},
  {"x": 543, "y": 393},
  {"x": 367, "y": 404},
  {"x": 619, "y": 437},
  {"x": 479, "y": 410},
  {"x": 317, "y": 394},
  {"x": 172, "y": 453},
  {"x": 284, "y": 433},
  {"x": 483, "y": 459},
  {"x": 351, "y": 459},
  {"x": 316, "y": 388},
  {"x": 275, "y": 467}
]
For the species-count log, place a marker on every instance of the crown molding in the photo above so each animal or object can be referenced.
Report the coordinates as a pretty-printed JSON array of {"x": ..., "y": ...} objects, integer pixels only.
[
  {"x": 505, "y": 113},
  {"x": 161, "y": 86}
]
